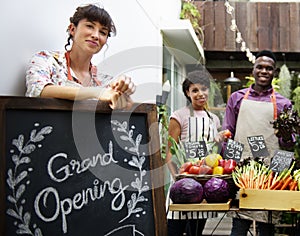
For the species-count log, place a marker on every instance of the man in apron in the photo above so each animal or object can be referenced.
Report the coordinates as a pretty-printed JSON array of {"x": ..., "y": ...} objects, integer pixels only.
[{"x": 248, "y": 113}]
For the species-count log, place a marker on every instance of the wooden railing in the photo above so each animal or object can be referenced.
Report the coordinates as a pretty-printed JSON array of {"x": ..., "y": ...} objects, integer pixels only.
[{"x": 264, "y": 25}]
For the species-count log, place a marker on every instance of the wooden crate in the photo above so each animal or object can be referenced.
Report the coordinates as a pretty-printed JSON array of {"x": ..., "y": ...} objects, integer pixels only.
[
  {"x": 200, "y": 206},
  {"x": 281, "y": 200}
]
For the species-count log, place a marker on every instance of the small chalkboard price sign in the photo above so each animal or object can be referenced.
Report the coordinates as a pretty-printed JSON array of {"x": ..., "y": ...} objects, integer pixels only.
[
  {"x": 78, "y": 168},
  {"x": 233, "y": 150},
  {"x": 195, "y": 149},
  {"x": 258, "y": 146},
  {"x": 281, "y": 160}
]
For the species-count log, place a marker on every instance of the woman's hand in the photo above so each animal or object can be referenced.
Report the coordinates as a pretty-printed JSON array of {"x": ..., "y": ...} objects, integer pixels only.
[
  {"x": 124, "y": 85},
  {"x": 116, "y": 99}
]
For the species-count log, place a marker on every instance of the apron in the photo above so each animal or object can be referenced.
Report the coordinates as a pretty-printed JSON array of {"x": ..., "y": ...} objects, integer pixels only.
[
  {"x": 257, "y": 115},
  {"x": 199, "y": 129}
]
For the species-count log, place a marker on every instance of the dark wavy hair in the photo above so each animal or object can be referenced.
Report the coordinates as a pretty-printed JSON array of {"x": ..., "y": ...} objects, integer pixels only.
[
  {"x": 92, "y": 12},
  {"x": 195, "y": 77}
]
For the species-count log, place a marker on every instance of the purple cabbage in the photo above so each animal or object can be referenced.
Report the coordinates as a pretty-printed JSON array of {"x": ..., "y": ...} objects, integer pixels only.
[
  {"x": 186, "y": 190},
  {"x": 216, "y": 190}
]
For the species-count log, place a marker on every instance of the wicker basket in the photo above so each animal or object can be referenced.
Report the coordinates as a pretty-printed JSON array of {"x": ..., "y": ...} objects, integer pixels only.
[{"x": 202, "y": 179}]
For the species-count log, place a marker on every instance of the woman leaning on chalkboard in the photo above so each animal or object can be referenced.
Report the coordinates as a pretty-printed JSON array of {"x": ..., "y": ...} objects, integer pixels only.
[
  {"x": 70, "y": 74},
  {"x": 192, "y": 123}
]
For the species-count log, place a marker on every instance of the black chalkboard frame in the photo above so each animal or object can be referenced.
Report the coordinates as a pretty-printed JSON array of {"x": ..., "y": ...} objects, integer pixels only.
[{"x": 21, "y": 103}]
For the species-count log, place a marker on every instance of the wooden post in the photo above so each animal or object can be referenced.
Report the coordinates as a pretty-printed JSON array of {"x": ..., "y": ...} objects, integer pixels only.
[{"x": 228, "y": 91}]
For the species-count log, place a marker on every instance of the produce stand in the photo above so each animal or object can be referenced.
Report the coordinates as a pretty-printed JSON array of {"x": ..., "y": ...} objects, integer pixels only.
[
  {"x": 250, "y": 199},
  {"x": 204, "y": 206},
  {"x": 201, "y": 207},
  {"x": 276, "y": 200},
  {"x": 202, "y": 179},
  {"x": 271, "y": 200}
]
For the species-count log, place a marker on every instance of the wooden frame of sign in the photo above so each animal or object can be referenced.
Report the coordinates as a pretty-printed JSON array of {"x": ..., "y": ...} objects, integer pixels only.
[{"x": 79, "y": 168}]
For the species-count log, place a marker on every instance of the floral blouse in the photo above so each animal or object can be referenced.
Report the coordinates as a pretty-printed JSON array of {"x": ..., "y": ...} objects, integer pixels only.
[{"x": 50, "y": 67}]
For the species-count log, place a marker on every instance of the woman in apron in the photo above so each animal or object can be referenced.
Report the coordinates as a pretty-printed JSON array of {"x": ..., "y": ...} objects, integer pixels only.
[
  {"x": 248, "y": 113},
  {"x": 191, "y": 123},
  {"x": 70, "y": 74}
]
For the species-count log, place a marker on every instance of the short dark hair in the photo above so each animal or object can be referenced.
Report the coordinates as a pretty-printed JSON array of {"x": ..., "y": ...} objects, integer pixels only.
[
  {"x": 195, "y": 77},
  {"x": 266, "y": 53}
]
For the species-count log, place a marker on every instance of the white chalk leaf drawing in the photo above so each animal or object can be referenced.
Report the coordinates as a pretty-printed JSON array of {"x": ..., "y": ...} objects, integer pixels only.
[
  {"x": 16, "y": 178},
  {"x": 137, "y": 161}
]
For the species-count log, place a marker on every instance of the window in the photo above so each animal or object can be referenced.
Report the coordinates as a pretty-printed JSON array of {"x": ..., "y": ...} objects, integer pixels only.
[{"x": 175, "y": 73}]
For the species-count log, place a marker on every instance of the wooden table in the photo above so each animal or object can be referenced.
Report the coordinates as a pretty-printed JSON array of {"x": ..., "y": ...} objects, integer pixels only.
[{"x": 250, "y": 199}]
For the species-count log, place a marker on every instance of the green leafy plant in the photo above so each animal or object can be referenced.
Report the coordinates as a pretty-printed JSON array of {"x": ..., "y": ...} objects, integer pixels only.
[
  {"x": 287, "y": 122},
  {"x": 163, "y": 117},
  {"x": 178, "y": 152},
  {"x": 295, "y": 86},
  {"x": 296, "y": 99},
  {"x": 284, "y": 81},
  {"x": 190, "y": 11},
  {"x": 215, "y": 99}
]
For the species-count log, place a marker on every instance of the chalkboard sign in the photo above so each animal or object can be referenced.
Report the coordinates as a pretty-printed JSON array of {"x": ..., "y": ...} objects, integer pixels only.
[
  {"x": 77, "y": 168},
  {"x": 233, "y": 150},
  {"x": 195, "y": 149},
  {"x": 281, "y": 160},
  {"x": 258, "y": 146}
]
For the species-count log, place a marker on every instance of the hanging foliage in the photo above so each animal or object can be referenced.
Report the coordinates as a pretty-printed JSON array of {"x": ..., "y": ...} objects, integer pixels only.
[
  {"x": 190, "y": 11},
  {"x": 163, "y": 119},
  {"x": 296, "y": 99},
  {"x": 284, "y": 81},
  {"x": 296, "y": 91}
]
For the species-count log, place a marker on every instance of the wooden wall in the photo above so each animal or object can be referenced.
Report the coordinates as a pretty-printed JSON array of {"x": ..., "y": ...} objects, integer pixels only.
[{"x": 274, "y": 26}]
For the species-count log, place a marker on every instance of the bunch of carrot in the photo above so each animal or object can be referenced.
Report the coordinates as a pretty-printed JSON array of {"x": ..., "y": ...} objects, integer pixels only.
[
  {"x": 256, "y": 175},
  {"x": 296, "y": 176}
]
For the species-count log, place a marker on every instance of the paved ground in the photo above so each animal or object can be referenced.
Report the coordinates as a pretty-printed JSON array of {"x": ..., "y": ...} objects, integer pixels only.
[
  {"x": 218, "y": 227},
  {"x": 223, "y": 227}
]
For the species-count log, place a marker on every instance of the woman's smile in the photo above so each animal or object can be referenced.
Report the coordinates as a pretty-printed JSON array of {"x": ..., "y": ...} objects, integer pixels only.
[{"x": 93, "y": 43}]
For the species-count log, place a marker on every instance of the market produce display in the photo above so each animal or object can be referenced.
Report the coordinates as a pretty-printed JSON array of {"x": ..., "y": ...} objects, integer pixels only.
[
  {"x": 255, "y": 175},
  {"x": 287, "y": 122},
  {"x": 216, "y": 190},
  {"x": 212, "y": 164},
  {"x": 207, "y": 175},
  {"x": 212, "y": 172},
  {"x": 186, "y": 190}
]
